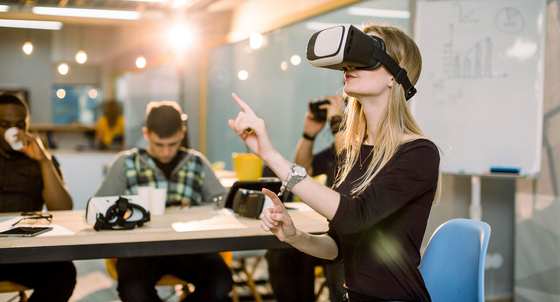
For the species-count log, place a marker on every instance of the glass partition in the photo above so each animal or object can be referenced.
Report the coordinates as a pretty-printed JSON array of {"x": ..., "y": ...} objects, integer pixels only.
[
  {"x": 277, "y": 81},
  {"x": 75, "y": 104}
]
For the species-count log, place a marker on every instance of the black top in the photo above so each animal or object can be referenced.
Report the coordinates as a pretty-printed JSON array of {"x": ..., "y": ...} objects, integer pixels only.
[
  {"x": 168, "y": 168},
  {"x": 324, "y": 162},
  {"x": 21, "y": 183},
  {"x": 379, "y": 232}
]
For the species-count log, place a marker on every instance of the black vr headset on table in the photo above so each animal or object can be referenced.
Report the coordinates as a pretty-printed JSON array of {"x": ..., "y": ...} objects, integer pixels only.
[
  {"x": 117, "y": 212},
  {"x": 344, "y": 46}
]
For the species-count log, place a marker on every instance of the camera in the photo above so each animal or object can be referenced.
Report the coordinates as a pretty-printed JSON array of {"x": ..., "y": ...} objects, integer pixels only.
[
  {"x": 249, "y": 203},
  {"x": 319, "y": 115}
]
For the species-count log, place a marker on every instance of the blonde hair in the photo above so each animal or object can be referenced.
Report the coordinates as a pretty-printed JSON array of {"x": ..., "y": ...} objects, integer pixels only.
[{"x": 395, "y": 121}]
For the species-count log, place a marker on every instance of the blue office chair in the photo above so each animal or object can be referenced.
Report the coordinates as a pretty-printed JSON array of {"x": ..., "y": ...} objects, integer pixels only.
[{"x": 453, "y": 263}]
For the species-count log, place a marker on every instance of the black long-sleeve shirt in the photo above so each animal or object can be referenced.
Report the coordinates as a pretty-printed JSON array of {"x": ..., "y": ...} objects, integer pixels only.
[
  {"x": 379, "y": 232},
  {"x": 21, "y": 183}
]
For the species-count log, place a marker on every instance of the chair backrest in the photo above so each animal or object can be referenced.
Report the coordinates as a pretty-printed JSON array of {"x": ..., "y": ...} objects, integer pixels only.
[
  {"x": 453, "y": 264},
  {"x": 9, "y": 286}
]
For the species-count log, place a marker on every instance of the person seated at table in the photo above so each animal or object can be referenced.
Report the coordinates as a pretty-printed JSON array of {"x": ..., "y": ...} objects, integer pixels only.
[
  {"x": 29, "y": 179},
  {"x": 292, "y": 273},
  {"x": 189, "y": 180}
]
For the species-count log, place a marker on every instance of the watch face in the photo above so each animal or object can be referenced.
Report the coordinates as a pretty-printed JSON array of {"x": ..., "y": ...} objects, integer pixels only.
[{"x": 299, "y": 171}]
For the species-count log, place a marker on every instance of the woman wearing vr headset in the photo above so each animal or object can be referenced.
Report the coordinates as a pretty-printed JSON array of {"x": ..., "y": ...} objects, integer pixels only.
[{"x": 389, "y": 178}]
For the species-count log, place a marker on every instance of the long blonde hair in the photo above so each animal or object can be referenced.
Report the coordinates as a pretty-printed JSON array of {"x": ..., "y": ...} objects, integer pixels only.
[{"x": 396, "y": 119}]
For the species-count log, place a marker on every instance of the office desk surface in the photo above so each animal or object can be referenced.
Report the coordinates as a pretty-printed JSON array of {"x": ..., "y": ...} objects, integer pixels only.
[{"x": 157, "y": 237}]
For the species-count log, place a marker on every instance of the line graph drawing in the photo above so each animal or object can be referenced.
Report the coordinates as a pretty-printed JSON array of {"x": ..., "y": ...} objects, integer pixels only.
[{"x": 465, "y": 16}]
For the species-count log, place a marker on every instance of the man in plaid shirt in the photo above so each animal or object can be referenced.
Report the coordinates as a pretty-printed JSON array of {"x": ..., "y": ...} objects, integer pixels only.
[{"x": 189, "y": 180}]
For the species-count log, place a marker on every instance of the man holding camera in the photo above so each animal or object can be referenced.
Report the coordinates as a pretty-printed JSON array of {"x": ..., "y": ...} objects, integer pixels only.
[
  {"x": 292, "y": 273},
  {"x": 189, "y": 180}
]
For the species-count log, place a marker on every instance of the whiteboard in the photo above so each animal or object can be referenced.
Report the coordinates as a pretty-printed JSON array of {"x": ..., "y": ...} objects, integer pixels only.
[{"x": 480, "y": 95}]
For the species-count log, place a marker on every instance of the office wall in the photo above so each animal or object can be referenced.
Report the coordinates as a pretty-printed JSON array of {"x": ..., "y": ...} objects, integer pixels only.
[
  {"x": 537, "y": 241},
  {"x": 37, "y": 72},
  {"x": 32, "y": 72}
]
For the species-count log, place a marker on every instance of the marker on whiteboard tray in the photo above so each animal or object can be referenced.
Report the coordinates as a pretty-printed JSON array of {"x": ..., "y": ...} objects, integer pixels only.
[{"x": 504, "y": 170}]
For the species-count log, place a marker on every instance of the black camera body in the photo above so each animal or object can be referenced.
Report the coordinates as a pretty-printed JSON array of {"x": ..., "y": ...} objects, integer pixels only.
[
  {"x": 248, "y": 203},
  {"x": 319, "y": 115}
]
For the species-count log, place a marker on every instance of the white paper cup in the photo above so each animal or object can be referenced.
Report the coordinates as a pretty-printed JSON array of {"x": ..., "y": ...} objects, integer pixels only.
[
  {"x": 144, "y": 193},
  {"x": 11, "y": 138},
  {"x": 158, "y": 197}
]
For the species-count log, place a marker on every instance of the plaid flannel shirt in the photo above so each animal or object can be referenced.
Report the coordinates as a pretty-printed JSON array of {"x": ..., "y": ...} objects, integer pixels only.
[{"x": 185, "y": 183}]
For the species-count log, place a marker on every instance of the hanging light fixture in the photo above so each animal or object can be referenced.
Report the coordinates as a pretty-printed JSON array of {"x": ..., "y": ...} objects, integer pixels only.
[
  {"x": 63, "y": 68},
  {"x": 81, "y": 56},
  {"x": 28, "y": 47},
  {"x": 141, "y": 62}
]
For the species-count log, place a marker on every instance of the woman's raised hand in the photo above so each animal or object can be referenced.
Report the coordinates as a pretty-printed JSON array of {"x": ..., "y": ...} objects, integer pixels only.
[
  {"x": 277, "y": 219},
  {"x": 252, "y": 130}
]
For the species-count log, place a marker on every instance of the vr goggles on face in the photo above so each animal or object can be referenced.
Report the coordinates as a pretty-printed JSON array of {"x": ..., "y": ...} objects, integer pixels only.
[
  {"x": 117, "y": 212},
  {"x": 344, "y": 46}
]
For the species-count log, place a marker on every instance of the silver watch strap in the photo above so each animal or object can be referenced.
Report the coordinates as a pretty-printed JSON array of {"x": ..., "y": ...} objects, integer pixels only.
[{"x": 285, "y": 182}]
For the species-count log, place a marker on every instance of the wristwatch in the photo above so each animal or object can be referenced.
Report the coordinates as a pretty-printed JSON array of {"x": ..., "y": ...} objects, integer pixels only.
[{"x": 296, "y": 174}]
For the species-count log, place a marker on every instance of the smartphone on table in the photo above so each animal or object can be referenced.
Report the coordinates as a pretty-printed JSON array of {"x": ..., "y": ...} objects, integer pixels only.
[{"x": 25, "y": 231}]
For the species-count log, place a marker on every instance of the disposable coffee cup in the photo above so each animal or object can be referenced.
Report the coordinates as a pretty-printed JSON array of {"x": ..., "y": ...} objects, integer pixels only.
[
  {"x": 158, "y": 197},
  {"x": 144, "y": 193},
  {"x": 11, "y": 138}
]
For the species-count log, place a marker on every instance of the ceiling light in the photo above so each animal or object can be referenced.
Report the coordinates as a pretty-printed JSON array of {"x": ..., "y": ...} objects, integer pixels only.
[
  {"x": 178, "y": 3},
  {"x": 81, "y": 57},
  {"x": 141, "y": 62},
  {"x": 180, "y": 36},
  {"x": 50, "y": 25},
  {"x": 243, "y": 75},
  {"x": 383, "y": 13},
  {"x": 295, "y": 59},
  {"x": 4, "y": 8},
  {"x": 28, "y": 47},
  {"x": 63, "y": 68},
  {"x": 87, "y": 13},
  {"x": 256, "y": 40},
  {"x": 319, "y": 25}
]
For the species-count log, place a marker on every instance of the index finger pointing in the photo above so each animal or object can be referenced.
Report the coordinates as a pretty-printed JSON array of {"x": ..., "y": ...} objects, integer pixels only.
[
  {"x": 242, "y": 104},
  {"x": 272, "y": 196}
]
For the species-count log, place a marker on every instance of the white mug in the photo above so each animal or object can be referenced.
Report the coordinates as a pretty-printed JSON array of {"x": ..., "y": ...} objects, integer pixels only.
[{"x": 11, "y": 138}]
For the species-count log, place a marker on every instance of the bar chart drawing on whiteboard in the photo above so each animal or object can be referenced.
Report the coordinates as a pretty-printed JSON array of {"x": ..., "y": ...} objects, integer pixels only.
[{"x": 473, "y": 63}]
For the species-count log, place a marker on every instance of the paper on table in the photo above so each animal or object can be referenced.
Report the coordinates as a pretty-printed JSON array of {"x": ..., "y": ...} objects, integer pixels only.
[
  {"x": 220, "y": 222},
  {"x": 6, "y": 218},
  {"x": 56, "y": 231},
  {"x": 224, "y": 211}
]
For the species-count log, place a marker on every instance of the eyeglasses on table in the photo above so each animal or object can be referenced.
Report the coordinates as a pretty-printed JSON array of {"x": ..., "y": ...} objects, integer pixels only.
[{"x": 34, "y": 218}]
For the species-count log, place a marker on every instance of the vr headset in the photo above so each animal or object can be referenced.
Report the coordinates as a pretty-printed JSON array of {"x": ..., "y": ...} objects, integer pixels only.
[
  {"x": 117, "y": 212},
  {"x": 344, "y": 46}
]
